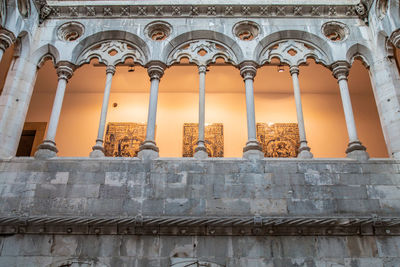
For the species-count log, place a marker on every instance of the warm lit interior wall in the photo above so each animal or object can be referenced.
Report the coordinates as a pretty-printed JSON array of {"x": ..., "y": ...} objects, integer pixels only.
[{"x": 324, "y": 119}]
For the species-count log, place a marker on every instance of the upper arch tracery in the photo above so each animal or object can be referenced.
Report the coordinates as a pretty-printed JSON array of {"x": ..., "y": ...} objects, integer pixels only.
[{"x": 202, "y": 53}]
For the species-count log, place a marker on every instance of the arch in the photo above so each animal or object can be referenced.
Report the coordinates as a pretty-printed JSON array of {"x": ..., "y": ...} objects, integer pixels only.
[
  {"x": 44, "y": 51},
  {"x": 306, "y": 37},
  {"x": 193, "y": 50},
  {"x": 360, "y": 51},
  {"x": 203, "y": 35},
  {"x": 100, "y": 37}
]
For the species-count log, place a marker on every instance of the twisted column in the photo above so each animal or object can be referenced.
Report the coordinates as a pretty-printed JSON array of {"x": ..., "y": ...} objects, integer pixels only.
[
  {"x": 98, "y": 149},
  {"x": 149, "y": 149},
  {"x": 304, "y": 150},
  {"x": 252, "y": 150},
  {"x": 201, "y": 151},
  {"x": 6, "y": 39},
  {"x": 355, "y": 149},
  {"x": 48, "y": 148}
]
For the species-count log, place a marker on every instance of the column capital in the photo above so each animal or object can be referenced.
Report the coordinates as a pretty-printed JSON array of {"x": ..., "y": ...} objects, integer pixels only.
[
  {"x": 395, "y": 38},
  {"x": 340, "y": 70},
  {"x": 110, "y": 69},
  {"x": 65, "y": 70},
  {"x": 294, "y": 70},
  {"x": 7, "y": 38},
  {"x": 248, "y": 70},
  {"x": 202, "y": 68},
  {"x": 155, "y": 69}
]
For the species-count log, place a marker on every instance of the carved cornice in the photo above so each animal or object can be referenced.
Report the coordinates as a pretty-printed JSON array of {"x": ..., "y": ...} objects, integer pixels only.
[
  {"x": 157, "y": 11},
  {"x": 257, "y": 225}
]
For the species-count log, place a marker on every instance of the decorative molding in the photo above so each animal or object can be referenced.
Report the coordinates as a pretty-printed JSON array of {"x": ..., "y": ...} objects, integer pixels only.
[
  {"x": 135, "y": 11},
  {"x": 112, "y": 53},
  {"x": 202, "y": 53},
  {"x": 181, "y": 225}
]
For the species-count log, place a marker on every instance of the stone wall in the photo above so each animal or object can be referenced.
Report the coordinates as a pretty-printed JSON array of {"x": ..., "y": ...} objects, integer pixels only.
[{"x": 234, "y": 212}]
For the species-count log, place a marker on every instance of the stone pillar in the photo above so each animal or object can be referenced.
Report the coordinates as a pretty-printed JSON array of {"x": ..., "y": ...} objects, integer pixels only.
[
  {"x": 385, "y": 81},
  {"x": 6, "y": 39},
  {"x": 48, "y": 148},
  {"x": 304, "y": 150},
  {"x": 252, "y": 150},
  {"x": 201, "y": 151},
  {"x": 14, "y": 103},
  {"x": 149, "y": 149},
  {"x": 98, "y": 149},
  {"x": 355, "y": 149}
]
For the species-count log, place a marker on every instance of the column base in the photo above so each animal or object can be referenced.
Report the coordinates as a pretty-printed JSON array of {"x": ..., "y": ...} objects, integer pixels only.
[
  {"x": 304, "y": 151},
  {"x": 200, "y": 152},
  {"x": 46, "y": 150},
  {"x": 98, "y": 152},
  {"x": 356, "y": 150},
  {"x": 253, "y": 150},
  {"x": 148, "y": 150},
  {"x": 396, "y": 155}
]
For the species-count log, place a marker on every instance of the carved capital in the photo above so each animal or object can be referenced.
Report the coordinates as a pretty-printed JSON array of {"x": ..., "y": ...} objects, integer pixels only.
[
  {"x": 202, "y": 69},
  {"x": 248, "y": 70},
  {"x": 6, "y": 39},
  {"x": 294, "y": 70},
  {"x": 65, "y": 70},
  {"x": 395, "y": 38},
  {"x": 155, "y": 69},
  {"x": 110, "y": 69},
  {"x": 340, "y": 70}
]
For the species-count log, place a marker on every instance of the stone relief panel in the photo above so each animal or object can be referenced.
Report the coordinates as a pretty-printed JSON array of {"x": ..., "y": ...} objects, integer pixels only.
[
  {"x": 214, "y": 139},
  {"x": 123, "y": 139},
  {"x": 279, "y": 140}
]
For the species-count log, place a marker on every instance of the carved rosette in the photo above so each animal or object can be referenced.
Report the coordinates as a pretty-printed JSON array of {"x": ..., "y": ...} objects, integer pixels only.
[
  {"x": 202, "y": 53},
  {"x": 112, "y": 53},
  {"x": 293, "y": 53}
]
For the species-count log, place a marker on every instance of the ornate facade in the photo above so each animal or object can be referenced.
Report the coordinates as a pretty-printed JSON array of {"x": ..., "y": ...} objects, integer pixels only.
[{"x": 150, "y": 211}]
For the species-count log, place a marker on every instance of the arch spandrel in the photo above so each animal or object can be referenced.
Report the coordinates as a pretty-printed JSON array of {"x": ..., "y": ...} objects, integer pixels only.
[
  {"x": 202, "y": 53},
  {"x": 112, "y": 53},
  {"x": 359, "y": 51},
  {"x": 293, "y": 53}
]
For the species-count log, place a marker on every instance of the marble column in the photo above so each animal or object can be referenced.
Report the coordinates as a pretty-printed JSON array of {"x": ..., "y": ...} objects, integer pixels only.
[
  {"x": 48, "y": 148},
  {"x": 385, "y": 81},
  {"x": 252, "y": 150},
  {"x": 355, "y": 149},
  {"x": 201, "y": 151},
  {"x": 98, "y": 149},
  {"x": 304, "y": 150},
  {"x": 14, "y": 102},
  {"x": 149, "y": 149},
  {"x": 6, "y": 39}
]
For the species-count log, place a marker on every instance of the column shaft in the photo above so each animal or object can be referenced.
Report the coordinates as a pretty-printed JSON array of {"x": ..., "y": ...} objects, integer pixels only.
[
  {"x": 55, "y": 112},
  {"x": 348, "y": 111},
  {"x": 251, "y": 121},
  {"x": 201, "y": 151},
  {"x": 151, "y": 118}
]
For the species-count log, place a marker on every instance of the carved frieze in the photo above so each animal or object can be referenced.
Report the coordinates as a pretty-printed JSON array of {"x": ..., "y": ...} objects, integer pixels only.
[
  {"x": 214, "y": 139},
  {"x": 279, "y": 140}
]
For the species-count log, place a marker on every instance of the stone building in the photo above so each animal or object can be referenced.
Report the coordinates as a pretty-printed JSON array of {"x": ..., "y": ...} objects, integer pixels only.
[{"x": 116, "y": 82}]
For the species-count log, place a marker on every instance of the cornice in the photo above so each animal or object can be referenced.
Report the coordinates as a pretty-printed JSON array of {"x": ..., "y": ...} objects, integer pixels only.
[
  {"x": 193, "y": 11},
  {"x": 182, "y": 225}
]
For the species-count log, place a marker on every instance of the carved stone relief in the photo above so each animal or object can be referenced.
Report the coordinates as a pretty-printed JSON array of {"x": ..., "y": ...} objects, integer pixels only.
[
  {"x": 279, "y": 140},
  {"x": 158, "y": 30},
  {"x": 246, "y": 30},
  {"x": 335, "y": 31},
  {"x": 70, "y": 31},
  {"x": 123, "y": 139},
  {"x": 192, "y": 262},
  {"x": 214, "y": 139}
]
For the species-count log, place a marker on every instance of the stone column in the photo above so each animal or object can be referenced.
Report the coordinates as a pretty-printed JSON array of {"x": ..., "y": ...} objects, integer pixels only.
[
  {"x": 48, "y": 148},
  {"x": 98, "y": 149},
  {"x": 6, "y": 39},
  {"x": 201, "y": 151},
  {"x": 385, "y": 81},
  {"x": 355, "y": 149},
  {"x": 149, "y": 149},
  {"x": 252, "y": 150},
  {"x": 304, "y": 150},
  {"x": 14, "y": 102}
]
